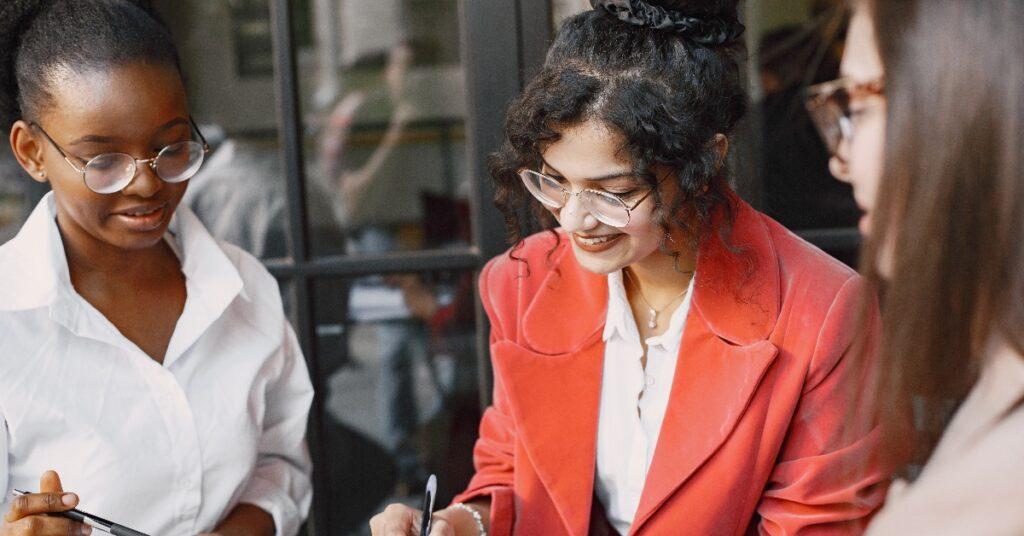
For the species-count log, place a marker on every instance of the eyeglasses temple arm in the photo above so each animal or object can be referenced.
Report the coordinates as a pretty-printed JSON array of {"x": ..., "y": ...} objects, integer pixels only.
[
  {"x": 206, "y": 146},
  {"x": 56, "y": 146}
]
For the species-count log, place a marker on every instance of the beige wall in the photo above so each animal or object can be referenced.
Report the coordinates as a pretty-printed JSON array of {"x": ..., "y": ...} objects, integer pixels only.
[{"x": 773, "y": 14}]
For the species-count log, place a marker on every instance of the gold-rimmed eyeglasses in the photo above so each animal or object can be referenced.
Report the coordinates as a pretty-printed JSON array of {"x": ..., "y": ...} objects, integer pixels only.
[
  {"x": 828, "y": 104},
  {"x": 607, "y": 208},
  {"x": 109, "y": 173}
]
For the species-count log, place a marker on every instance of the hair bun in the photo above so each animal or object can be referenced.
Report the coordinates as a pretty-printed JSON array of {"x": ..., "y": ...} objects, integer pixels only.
[{"x": 705, "y": 22}]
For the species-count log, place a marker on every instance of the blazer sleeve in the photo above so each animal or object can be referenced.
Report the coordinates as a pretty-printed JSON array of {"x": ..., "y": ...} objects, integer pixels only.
[
  {"x": 493, "y": 455},
  {"x": 830, "y": 476}
]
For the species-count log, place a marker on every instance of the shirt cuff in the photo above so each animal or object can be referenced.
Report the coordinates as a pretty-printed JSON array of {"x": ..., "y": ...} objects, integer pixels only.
[{"x": 271, "y": 499}]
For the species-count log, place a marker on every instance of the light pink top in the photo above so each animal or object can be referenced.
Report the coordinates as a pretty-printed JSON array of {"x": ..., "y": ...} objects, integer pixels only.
[{"x": 974, "y": 483}]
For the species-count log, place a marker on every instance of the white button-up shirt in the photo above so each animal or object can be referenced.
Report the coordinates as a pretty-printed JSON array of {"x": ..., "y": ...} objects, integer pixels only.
[
  {"x": 166, "y": 449},
  {"x": 633, "y": 402}
]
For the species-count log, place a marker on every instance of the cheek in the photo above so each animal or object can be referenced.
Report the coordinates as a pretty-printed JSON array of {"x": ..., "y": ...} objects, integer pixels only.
[
  {"x": 866, "y": 159},
  {"x": 644, "y": 233},
  {"x": 77, "y": 199}
]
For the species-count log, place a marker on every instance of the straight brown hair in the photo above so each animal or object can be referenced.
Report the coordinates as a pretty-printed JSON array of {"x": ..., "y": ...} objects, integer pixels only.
[{"x": 951, "y": 202}]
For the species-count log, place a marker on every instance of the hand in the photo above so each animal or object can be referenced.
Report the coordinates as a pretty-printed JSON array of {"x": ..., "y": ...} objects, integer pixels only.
[
  {"x": 400, "y": 520},
  {"x": 27, "y": 515},
  {"x": 244, "y": 519}
]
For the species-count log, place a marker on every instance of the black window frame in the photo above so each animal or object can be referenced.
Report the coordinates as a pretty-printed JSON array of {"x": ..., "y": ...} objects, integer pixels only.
[{"x": 502, "y": 42}]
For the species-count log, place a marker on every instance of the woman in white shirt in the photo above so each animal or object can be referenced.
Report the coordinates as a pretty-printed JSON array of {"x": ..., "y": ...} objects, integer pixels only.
[
  {"x": 149, "y": 365},
  {"x": 927, "y": 125}
]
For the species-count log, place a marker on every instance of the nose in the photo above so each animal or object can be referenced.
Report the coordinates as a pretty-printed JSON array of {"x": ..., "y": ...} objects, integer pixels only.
[
  {"x": 574, "y": 217},
  {"x": 146, "y": 183}
]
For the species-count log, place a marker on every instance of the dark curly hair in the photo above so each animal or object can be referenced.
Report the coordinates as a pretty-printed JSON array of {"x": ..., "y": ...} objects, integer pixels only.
[
  {"x": 42, "y": 39},
  {"x": 667, "y": 94}
]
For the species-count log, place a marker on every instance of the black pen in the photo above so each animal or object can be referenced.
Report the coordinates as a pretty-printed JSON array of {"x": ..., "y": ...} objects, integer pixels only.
[
  {"x": 428, "y": 505},
  {"x": 91, "y": 520}
]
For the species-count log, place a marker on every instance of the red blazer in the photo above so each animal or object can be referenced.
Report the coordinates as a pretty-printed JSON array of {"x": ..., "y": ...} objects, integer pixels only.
[{"x": 757, "y": 437}]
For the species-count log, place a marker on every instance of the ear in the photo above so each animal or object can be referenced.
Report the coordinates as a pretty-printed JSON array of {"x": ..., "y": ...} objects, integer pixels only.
[
  {"x": 28, "y": 150},
  {"x": 721, "y": 145}
]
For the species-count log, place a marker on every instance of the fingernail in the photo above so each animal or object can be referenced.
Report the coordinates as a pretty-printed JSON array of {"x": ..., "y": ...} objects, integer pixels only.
[
  {"x": 68, "y": 499},
  {"x": 86, "y": 530}
]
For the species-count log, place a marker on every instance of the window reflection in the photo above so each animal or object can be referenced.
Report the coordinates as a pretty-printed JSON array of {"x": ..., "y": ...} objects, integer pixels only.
[
  {"x": 14, "y": 202},
  {"x": 799, "y": 190},
  {"x": 561, "y": 9},
  {"x": 226, "y": 52},
  {"x": 384, "y": 109},
  {"x": 401, "y": 393}
]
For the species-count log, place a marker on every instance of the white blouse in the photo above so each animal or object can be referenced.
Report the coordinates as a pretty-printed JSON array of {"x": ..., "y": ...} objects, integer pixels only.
[
  {"x": 633, "y": 402},
  {"x": 166, "y": 449}
]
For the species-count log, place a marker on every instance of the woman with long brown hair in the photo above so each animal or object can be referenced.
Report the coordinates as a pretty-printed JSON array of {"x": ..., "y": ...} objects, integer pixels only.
[{"x": 928, "y": 126}]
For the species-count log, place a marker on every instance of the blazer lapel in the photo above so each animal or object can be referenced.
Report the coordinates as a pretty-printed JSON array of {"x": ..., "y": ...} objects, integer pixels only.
[
  {"x": 554, "y": 402},
  {"x": 714, "y": 382},
  {"x": 723, "y": 356},
  {"x": 552, "y": 375}
]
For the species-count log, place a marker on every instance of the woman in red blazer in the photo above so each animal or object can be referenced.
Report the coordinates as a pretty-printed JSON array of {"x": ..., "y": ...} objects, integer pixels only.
[{"x": 666, "y": 359}]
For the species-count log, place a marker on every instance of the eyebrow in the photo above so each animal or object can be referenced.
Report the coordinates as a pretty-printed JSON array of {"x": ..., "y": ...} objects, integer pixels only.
[
  {"x": 608, "y": 177},
  {"x": 95, "y": 138}
]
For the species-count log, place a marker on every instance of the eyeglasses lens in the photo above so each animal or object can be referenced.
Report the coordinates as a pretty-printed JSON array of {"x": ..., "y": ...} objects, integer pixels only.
[
  {"x": 607, "y": 209},
  {"x": 109, "y": 173},
  {"x": 179, "y": 162},
  {"x": 830, "y": 114}
]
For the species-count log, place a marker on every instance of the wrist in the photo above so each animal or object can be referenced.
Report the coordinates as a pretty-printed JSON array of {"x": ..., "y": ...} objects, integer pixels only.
[{"x": 467, "y": 520}]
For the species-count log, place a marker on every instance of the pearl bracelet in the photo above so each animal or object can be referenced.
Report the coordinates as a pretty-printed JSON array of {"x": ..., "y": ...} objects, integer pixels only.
[{"x": 476, "y": 516}]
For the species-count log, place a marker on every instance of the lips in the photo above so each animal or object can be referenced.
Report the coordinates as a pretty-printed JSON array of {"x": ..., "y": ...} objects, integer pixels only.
[
  {"x": 141, "y": 218},
  {"x": 596, "y": 244},
  {"x": 141, "y": 210}
]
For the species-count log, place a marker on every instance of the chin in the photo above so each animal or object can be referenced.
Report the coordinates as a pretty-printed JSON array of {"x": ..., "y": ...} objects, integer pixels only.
[
  {"x": 600, "y": 263},
  {"x": 137, "y": 241}
]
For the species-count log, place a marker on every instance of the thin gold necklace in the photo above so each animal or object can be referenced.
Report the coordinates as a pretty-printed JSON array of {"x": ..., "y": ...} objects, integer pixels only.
[{"x": 653, "y": 321}]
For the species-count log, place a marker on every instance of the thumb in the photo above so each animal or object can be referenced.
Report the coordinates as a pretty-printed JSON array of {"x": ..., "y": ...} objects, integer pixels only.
[{"x": 50, "y": 483}]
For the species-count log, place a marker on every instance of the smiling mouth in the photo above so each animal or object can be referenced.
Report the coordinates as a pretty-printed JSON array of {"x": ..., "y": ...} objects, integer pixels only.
[
  {"x": 141, "y": 212},
  {"x": 597, "y": 240}
]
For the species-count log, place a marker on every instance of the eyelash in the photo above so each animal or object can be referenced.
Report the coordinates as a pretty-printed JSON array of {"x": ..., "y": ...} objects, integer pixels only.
[{"x": 626, "y": 194}]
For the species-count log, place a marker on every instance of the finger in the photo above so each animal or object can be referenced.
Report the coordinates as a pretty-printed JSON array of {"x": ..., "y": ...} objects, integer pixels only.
[
  {"x": 50, "y": 526},
  {"x": 377, "y": 524},
  {"x": 40, "y": 503},
  {"x": 400, "y": 520},
  {"x": 50, "y": 482}
]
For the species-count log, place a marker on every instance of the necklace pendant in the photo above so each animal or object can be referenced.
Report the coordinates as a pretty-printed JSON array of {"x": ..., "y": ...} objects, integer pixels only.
[{"x": 653, "y": 323}]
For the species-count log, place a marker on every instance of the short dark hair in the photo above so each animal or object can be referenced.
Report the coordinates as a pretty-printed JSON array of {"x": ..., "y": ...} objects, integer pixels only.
[
  {"x": 666, "y": 94},
  {"x": 40, "y": 38}
]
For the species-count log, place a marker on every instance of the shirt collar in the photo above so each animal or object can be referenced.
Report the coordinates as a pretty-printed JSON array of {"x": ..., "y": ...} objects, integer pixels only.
[
  {"x": 204, "y": 262},
  {"x": 619, "y": 312},
  {"x": 35, "y": 265},
  {"x": 621, "y": 322}
]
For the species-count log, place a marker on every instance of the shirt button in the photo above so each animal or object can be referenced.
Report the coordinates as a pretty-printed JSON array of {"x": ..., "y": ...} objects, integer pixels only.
[{"x": 648, "y": 380}]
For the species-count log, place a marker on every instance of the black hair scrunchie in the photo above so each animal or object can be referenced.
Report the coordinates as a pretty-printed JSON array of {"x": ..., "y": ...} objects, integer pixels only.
[{"x": 708, "y": 31}]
